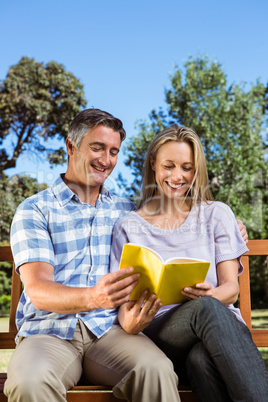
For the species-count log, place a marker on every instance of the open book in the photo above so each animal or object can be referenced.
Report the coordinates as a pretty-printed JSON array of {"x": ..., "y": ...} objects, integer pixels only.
[{"x": 164, "y": 278}]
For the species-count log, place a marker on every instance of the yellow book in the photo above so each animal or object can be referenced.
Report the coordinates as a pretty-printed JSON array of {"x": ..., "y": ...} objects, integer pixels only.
[{"x": 164, "y": 278}]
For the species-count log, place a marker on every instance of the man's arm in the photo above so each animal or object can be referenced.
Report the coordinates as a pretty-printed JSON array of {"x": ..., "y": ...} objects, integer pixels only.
[
  {"x": 46, "y": 294},
  {"x": 243, "y": 230}
]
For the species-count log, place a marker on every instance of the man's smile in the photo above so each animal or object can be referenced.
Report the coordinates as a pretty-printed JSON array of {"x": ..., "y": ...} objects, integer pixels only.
[{"x": 98, "y": 168}]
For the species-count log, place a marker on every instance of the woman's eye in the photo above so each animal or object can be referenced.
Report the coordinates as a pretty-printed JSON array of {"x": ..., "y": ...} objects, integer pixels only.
[{"x": 168, "y": 167}]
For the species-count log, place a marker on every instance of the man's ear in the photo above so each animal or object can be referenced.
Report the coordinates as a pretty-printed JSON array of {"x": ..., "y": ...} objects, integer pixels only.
[
  {"x": 69, "y": 146},
  {"x": 152, "y": 162}
]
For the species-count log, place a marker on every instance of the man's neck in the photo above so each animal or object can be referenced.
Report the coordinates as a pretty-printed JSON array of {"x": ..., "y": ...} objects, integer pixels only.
[{"x": 86, "y": 194}]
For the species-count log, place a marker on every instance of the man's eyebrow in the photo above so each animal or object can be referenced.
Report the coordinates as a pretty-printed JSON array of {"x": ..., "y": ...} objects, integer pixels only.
[{"x": 102, "y": 144}]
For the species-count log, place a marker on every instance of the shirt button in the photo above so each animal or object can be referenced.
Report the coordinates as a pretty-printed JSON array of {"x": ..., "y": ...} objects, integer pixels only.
[
  {"x": 94, "y": 251},
  {"x": 91, "y": 278}
]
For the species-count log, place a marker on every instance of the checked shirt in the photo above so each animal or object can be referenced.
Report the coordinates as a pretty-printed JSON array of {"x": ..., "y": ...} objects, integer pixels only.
[{"x": 55, "y": 227}]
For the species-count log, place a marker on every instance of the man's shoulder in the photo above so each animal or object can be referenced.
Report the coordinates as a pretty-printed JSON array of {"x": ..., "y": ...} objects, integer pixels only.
[
  {"x": 122, "y": 202},
  {"x": 38, "y": 199}
]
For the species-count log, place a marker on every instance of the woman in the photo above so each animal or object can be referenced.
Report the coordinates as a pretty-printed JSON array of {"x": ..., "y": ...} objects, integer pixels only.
[{"x": 205, "y": 337}]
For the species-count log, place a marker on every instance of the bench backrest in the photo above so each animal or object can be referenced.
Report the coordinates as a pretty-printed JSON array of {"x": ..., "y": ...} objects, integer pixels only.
[{"x": 256, "y": 247}]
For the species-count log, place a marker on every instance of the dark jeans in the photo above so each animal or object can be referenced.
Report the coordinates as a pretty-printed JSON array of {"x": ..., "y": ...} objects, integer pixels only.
[{"x": 212, "y": 350}]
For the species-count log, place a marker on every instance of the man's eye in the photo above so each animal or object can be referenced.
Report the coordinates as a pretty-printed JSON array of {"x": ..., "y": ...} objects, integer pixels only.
[
  {"x": 95, "y": 149},
  {"x": 114, "y": 153}
]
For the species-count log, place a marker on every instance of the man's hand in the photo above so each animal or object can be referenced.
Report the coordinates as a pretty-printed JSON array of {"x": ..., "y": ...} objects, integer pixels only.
[
  {"x": 134, "y": 316},
  {"x": 243, "y": 230},
  {"x": 46, "y": 294},
  {"x": 111, "y": 290}
]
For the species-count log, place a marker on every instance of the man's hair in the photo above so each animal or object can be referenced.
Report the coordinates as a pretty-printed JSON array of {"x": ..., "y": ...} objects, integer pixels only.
[{"x": 91, "y": 118}]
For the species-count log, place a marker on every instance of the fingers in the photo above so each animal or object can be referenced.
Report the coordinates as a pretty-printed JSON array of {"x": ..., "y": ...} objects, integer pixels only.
[
  {"x": 201, "y": 290},
  {"x": 151, "y": 306}
]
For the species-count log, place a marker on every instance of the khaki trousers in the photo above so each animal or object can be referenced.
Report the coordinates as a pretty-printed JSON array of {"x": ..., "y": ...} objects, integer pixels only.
[{"x": 44, "y": 367}]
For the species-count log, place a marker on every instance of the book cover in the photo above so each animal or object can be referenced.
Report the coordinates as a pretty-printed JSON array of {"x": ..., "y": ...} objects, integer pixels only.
[{"x": 164, "y": 278}]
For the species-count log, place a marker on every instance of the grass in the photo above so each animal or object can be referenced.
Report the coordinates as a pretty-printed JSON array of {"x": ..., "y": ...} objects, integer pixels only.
[{"x": 259, "y": 320}]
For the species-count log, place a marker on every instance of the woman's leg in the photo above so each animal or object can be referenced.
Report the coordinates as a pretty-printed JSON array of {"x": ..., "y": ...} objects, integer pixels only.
[
  {"x": 203, "y": 374},
  {"x": 227, "y": 341}
]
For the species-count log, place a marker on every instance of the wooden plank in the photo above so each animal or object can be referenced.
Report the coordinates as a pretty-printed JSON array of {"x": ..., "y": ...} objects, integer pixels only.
[
  {"x": 7, "y": 340},
  {"x": 258, "y": 247},
  {"x": 244, "y": 297}
]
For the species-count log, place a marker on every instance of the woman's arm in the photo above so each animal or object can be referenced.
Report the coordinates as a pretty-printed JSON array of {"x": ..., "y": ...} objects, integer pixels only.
[
  {"x": 134, "y": 316},
  {"x": 227, "y": 290}
]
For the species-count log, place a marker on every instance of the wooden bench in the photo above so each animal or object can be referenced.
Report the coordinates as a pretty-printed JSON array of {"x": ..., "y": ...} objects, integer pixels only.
[{"x": 96, "y": 393}]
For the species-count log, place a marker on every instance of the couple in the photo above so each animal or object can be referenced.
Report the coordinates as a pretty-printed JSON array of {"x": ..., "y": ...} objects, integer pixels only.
[{"x": 74, "y": 319}]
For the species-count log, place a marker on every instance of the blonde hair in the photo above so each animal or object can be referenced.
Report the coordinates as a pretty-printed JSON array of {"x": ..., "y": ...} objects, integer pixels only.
[{"x": 199, "y": 190}]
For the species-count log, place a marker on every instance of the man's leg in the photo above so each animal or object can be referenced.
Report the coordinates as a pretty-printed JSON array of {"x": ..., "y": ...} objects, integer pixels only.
[
  {"x": 227, "y": 341},
  {"x": 42, "y": 368},
  {"x": 137, "y": 369}
]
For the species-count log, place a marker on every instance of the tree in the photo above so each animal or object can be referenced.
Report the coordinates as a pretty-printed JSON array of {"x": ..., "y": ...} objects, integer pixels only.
[
  {"x": 232, "y": 123},
  {"x": 37, "y": 102}
]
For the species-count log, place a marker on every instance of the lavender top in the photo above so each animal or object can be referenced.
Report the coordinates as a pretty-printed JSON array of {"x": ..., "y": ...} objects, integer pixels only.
[{"x": 210, "y": 232}]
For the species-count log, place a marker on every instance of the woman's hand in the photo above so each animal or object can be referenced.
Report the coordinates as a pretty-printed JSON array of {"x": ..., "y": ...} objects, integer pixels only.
[
  {"x": 227, "y": 290},
  {"x": 200, "y": 290},
  {"x": 134, "y": 316}
]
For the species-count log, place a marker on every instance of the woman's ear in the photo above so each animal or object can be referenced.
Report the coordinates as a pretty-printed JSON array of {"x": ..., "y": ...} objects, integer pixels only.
[{"x": 152, "y": 162}]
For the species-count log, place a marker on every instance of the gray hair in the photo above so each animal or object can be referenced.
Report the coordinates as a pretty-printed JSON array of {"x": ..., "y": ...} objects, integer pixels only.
[{"x": 91, "y": 118}]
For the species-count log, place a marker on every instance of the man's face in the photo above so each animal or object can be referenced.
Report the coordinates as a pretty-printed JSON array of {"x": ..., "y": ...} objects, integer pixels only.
[{"x": 96, "y": 157}]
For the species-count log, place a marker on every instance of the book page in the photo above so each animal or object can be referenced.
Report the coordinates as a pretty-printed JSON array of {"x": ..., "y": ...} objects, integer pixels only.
[{"x": 181, "y": 260}]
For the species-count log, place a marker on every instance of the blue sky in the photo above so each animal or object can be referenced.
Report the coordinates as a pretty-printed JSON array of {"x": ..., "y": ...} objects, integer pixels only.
[{"x": 124, "y": 51}]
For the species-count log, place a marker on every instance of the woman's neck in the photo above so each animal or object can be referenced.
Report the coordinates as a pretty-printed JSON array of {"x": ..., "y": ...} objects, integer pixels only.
[{"x": 167, "y": 206}]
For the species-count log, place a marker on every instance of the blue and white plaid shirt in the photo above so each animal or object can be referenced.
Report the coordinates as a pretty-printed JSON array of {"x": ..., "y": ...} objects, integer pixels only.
[{"x": 54, "y": 226}]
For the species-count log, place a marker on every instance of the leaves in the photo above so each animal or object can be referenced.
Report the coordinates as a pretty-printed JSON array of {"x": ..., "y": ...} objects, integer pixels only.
[{"x": 37, "y": 102}]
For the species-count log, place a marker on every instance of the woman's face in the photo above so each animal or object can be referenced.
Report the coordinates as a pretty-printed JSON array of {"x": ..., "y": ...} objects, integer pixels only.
[{"x": 174, "y": 168}]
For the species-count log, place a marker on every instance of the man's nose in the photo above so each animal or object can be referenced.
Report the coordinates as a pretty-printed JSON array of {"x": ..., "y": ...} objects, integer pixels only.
[{"x": 105, "y": 158}]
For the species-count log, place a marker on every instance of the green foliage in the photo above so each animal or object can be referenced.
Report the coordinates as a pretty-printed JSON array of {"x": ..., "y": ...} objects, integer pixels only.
[
  {"x": 231, "y": 121},
  {"x": 12, "y": 192},
  {"x": 37, "y": 102},
  {"x": 5, "y": 284}
]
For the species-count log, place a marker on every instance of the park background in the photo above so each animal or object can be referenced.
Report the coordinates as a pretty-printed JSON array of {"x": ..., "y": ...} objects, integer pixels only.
[{"x": 139, "y": 61}]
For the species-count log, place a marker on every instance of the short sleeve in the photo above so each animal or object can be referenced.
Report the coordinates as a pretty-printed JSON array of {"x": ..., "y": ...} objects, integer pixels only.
[
  {"x": 30, "y": 239},
  {"x": 229, "y": 243}
]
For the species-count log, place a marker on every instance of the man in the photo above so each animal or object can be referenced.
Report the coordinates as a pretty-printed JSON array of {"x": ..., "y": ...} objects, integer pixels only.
[{"x": 66, "y": 317}]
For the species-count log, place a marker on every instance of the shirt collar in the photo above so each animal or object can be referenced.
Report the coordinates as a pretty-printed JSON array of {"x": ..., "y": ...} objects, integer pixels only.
[{"x": 64, "y": 194}]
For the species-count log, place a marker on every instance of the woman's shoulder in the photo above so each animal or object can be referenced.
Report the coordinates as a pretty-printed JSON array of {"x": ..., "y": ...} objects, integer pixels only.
[
  {"x": 130, "y": 216},
  {"x": 216, "y": 208}
]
